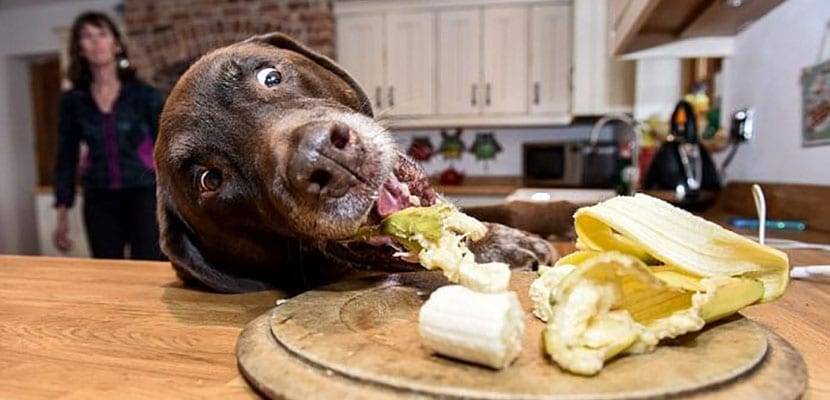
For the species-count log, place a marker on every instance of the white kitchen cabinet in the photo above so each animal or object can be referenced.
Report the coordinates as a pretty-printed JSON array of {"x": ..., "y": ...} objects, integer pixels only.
[
  {"x": 505, "y": 59},
  {"x": 410, "y": 63},
  {"x": 473, "y": 63},
  {"x": 360, "y": 52},
  {"x": 550, "y": 59},
  {"x": 601, "y": 84},
  {"x": 459, "y": 62}
]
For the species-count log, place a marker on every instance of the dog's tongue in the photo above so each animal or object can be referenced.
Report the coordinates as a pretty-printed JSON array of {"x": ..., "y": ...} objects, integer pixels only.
[{"x": 390, "y": 198}]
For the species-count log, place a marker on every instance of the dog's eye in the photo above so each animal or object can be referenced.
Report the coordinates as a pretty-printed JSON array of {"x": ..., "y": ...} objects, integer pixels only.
[
  {"x": 210, "y": 180},
  {"x": 269, "y": 77}
]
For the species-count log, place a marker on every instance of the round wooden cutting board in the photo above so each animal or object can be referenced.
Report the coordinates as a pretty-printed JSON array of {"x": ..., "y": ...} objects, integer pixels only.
[{"x": 359, "y": 339}]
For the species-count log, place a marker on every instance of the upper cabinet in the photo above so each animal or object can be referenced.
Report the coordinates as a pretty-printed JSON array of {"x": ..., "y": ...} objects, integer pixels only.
[
  {"x": 481, "y": 62},
  {"x": 601, "y": 84},
  {"x": 410, "y": 63},
  {"x": 505, "y": 60},
  {"x": 549, "y": 59},
  {"x": 360, "y": 51},
  {"x": 459, "y": 62}
]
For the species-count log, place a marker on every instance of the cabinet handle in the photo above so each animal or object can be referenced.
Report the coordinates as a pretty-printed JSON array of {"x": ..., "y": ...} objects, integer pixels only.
[
  {"x": 473, "y": 96},
  {"x": 378, "y": 95},
  {"x": 536, "y": 93},
  {"x": 487, "y": 94},
  {"x": 391, "y": 96}
]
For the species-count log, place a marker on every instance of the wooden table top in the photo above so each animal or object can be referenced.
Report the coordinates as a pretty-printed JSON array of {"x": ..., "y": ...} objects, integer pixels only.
[{"x": 78, "y": 328}]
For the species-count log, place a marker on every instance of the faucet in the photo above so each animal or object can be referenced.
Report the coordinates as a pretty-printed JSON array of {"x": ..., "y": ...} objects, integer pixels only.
[{"x": 631, "y": 174}]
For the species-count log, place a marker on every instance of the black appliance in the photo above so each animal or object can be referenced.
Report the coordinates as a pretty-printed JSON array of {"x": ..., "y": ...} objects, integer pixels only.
[
  {"x": 682, "y": 164},
  {"x": 570, "y": 164}
]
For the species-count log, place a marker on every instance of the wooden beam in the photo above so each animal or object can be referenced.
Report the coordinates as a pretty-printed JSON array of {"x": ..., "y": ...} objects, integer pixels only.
[
  {"x": 719, "y": 19},
  {"x": 642, "y": 24},
  {"x": 625, "y": 29}
]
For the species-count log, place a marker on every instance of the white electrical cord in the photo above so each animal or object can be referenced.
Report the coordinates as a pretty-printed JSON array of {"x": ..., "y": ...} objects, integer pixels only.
[
  {"x": 802, "y": 272},
  {"x": 787, "y": 244},
  {"x": 761, "y": 208},
  {"x": 810, "y": 271}
]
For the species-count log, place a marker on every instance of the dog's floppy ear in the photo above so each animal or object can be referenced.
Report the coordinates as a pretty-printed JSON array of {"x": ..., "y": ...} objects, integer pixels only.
[
  {"x": 283, "y": 41},
  {"x": 181, "y": 246}
]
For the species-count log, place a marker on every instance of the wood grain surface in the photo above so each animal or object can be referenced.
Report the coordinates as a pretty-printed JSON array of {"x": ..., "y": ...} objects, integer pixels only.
[
  {"x": 366, "y": 332},
  {"x": 72, "y": 328}
]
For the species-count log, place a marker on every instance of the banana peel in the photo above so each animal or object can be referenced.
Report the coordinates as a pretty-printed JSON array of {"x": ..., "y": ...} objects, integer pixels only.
[
  {"x": 658, "y": 233},
  {"x": 612, "y": 304},
  {"x": 736, "y": 294},
  {"x": 646, "y": 271}
]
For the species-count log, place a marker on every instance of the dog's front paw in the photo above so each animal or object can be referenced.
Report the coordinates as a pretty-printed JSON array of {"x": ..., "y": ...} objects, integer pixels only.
[{"x": 518, "y": 248}]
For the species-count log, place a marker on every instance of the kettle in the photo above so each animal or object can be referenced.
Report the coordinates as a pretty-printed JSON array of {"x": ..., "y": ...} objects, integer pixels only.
[{"x": 682, "y": 164}]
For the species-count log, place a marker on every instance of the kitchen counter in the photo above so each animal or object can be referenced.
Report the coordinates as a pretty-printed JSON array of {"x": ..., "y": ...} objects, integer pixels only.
[
  {"x": 481, "y": 185},
  {"x": 79, "y": 328}
]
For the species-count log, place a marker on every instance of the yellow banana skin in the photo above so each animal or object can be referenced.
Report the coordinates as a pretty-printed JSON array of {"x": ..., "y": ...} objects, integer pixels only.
[
  {"x": 646, "y": 271},
  {"x": 658, "y": 233},
  {"x": 612, "y": 303}
]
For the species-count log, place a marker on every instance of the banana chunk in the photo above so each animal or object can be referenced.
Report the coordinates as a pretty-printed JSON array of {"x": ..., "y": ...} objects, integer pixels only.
[
  {"x": 481, "y": 328},
  {"x": 490, "y": 277},
  {"x": 478, "y": 321}
]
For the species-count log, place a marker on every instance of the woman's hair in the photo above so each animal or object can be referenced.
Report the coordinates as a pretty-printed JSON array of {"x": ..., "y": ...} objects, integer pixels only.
[{"x": 79, "y": 72}]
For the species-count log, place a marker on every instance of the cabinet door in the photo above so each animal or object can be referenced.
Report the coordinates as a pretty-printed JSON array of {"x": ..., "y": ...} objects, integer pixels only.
[
  {"x": 410, "y": 63},
  {"x": 600, "y": 84},
  {"x": 505, "y": 60},
  {"x": 459, "y": 62},
  {"x": 550, "y": 59},
  {"x": 360, "y": 52}
]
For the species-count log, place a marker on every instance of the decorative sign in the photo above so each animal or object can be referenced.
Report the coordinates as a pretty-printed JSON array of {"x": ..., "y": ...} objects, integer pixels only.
[{"x": 815, "y": 84}]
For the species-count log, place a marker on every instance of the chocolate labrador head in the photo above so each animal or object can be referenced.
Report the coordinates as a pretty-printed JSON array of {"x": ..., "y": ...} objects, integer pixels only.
[{"x": 268, "y": 151}]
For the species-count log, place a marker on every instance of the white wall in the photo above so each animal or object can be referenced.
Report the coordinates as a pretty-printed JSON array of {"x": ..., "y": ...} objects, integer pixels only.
[
  {"x": 657, "y": 87},
  {"x": 763, "y": 73},
  {"x": 509, "y": 160},
  {"x": 26, "y": 29},
  {"x": 23, "y": 175}
]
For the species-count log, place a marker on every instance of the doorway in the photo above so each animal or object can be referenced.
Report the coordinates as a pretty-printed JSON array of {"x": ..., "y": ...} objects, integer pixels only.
[{"x": 46, "y": 89}]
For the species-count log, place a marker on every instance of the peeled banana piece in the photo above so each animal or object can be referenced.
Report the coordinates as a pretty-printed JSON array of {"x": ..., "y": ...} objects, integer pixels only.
[
  {"x": 492, "y": 277},
  {"x": 481, "y": 328},
  {"x": 478, "y": 321}
]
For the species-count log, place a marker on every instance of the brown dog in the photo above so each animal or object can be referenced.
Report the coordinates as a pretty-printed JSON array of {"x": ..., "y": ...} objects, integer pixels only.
[{"x": 267, "y": 157}]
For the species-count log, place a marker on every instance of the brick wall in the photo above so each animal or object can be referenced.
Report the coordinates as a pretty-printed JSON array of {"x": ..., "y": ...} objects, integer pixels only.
[{"x": 166, "y": 36}]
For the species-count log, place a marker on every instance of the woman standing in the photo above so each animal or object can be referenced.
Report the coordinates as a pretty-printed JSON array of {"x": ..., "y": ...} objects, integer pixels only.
[{"x": 116, "y": 115}]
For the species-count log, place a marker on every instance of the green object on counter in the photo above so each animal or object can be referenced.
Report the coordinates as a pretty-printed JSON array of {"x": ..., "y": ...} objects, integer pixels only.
[
  {"x": 621, "y": 184},
  {"x": 713, "y": 123}
]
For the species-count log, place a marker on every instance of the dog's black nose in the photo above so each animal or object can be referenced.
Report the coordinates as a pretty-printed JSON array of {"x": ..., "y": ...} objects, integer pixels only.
[{"x": 325, "y": 160}]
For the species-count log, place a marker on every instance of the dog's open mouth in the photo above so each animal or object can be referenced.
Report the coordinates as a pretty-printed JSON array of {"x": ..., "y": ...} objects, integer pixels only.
[{"x": 406, "y": 186}]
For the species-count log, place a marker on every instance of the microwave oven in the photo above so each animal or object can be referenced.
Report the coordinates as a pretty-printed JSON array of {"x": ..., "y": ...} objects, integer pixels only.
[{"x": 570, "y": 164}]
